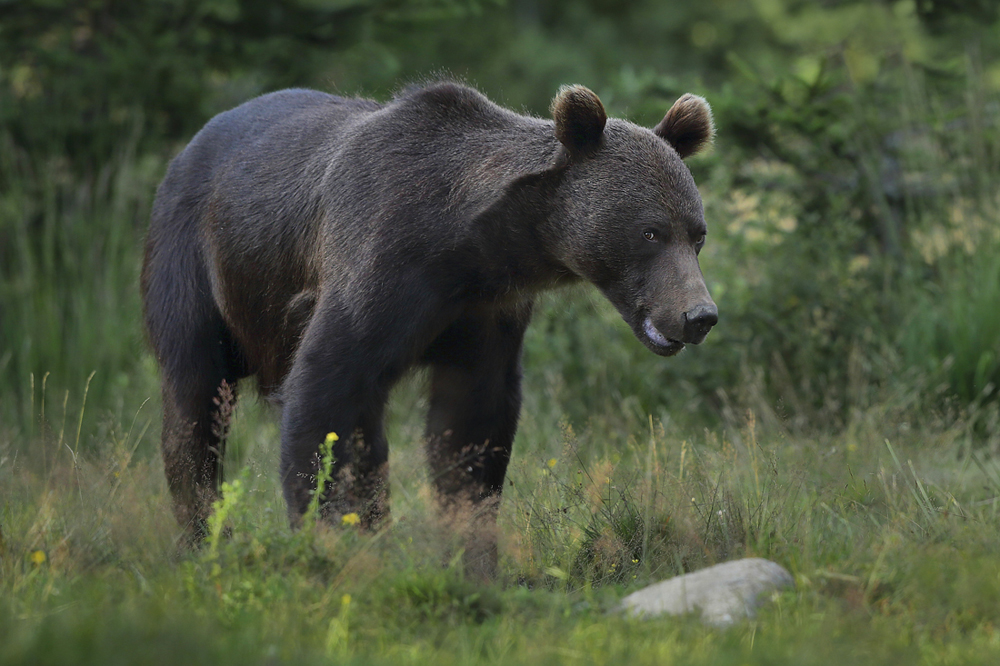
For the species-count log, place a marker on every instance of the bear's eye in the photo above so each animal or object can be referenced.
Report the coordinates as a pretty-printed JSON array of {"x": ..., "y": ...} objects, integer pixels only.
[{"x": 650, "y": 235}]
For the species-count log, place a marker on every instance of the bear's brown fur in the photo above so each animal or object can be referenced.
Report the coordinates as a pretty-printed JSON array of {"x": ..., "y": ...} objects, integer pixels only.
[{"x": 325, "y": 245}]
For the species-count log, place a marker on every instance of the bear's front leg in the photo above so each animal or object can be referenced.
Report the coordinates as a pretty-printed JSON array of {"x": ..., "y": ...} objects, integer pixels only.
[
  {"x": 474, "y": 406},
  {"x": 332, "y": 388},
  {"x": 344, "y": 368}
]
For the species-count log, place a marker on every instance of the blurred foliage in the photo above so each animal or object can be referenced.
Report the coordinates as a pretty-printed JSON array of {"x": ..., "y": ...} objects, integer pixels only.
[
  {"x": 936, "y": 13},
  {"x": 78, "y": 74},
  {"x": 851, "y": 199}
]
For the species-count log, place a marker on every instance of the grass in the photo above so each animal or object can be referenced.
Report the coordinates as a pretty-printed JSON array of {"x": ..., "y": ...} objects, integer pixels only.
[
  {"x": 890, "y": 532},
  {"x": 69, "y": 271}
]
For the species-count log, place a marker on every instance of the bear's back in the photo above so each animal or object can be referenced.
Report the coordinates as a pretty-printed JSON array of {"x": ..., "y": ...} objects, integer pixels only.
[{"x": 264, "y": 128}]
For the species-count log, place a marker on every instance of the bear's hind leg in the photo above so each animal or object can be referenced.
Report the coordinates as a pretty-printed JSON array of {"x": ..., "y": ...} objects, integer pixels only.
[{"x": 199, "y": 396}]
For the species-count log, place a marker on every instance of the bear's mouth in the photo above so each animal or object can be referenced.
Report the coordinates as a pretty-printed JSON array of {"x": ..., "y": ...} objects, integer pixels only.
[{"x": 658, "y": 342}]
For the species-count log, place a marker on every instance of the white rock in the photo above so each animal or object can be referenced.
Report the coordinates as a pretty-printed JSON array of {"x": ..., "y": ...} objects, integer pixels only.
[{"x": 723, "y": 594}]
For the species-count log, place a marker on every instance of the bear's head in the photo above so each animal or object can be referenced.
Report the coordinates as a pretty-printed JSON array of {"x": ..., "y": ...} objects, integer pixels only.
[{"x": 631, "y": 220}]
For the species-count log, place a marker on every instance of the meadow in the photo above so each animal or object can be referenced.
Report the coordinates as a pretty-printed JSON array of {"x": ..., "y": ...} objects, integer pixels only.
[
  {"x": 888, "y": 528},
  {"x": 842, "y": 419}
]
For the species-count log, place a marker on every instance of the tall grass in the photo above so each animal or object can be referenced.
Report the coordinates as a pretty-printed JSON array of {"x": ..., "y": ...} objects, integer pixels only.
[
  {"x": 949, "y": 151},
  {"x": 890, "y": 542},
  {"x": 69, "y": 266},
  {"x": 954, "y": 328}
]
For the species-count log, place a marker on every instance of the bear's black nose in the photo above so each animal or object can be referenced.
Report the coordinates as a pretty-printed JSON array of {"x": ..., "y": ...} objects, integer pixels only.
[{"x": 698, "y": 321}]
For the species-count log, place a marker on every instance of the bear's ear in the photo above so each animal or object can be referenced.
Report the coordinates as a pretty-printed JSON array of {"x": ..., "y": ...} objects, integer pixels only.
[
  {"x": 580, "y": 119},
  {"x": 688, "y": 125}
]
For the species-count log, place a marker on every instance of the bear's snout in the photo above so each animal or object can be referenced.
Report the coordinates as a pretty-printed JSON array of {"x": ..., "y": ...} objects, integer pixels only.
[{"x": 698, "y": 321}]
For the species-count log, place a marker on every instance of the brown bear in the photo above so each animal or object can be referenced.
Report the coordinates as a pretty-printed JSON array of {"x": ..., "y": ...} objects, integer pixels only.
[{"x": 325, "y": 245}]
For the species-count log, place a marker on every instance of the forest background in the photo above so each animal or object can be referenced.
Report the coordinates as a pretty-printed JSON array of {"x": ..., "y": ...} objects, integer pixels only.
[{"x": 852, "y": 199}]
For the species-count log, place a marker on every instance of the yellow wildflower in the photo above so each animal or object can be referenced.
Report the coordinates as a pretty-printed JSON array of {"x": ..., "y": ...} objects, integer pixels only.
[
  {"x": 350, "y": 519},
  {"x": 38, "y": 557}
]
